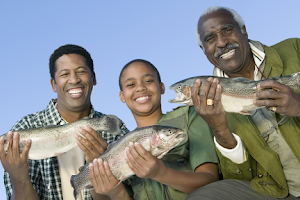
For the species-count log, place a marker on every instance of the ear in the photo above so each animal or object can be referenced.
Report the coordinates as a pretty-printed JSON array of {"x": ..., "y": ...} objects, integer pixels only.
[
  {"x": 94, "y": 79},
  {"x": 162, "y": 88},
  {"x": 121, "y": 95},
  {"x": 52, "y": 81},
  {"x": 244, "y": 31}
]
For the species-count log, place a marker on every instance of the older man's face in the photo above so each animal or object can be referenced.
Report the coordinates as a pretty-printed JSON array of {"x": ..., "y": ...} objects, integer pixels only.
[{"x": 224, "y": 44}]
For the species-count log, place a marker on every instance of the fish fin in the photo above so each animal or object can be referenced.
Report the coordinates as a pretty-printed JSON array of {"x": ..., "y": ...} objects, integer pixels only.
[
  {"x": 80, "y": 168},
  {"x": 162, "y": 155},
  {"x": 74, "y": 185},
  {"x": 89, "y": 187},
  {"x": 86, "y": 117},
  {"x": 244, "y": 113},
  {"x": 119, "y": 183}
]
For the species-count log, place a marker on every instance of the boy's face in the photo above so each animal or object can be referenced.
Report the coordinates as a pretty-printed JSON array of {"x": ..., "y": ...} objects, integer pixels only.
[{"x": 141, "y": 89}]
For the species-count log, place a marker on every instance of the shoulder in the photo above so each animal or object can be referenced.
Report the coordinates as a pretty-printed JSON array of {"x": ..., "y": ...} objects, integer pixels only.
[{"x": 33, "y": 120}]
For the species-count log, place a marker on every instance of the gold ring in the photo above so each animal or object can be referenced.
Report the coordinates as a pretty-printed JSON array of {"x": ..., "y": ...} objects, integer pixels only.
[
  {"x": 209, "y": 102},
  {"x": 273, "y": 109}
]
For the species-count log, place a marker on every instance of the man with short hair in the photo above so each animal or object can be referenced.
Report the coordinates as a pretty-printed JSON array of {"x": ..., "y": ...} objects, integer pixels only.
[
  {"x": 259, "y": 153},
  {"x": 72, "y": 78}
]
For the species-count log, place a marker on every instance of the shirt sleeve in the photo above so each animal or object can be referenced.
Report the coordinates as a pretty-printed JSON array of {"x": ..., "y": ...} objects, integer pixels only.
[
  {"x": 201, "y": 145},
  {"x": 237, "y": 154}
]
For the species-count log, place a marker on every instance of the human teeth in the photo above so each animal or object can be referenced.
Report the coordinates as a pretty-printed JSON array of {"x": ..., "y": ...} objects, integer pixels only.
[
  {"x": 142, "y": 98},
  {"x": 75, "y": 91},
  {"x": 226, "y": 55}
]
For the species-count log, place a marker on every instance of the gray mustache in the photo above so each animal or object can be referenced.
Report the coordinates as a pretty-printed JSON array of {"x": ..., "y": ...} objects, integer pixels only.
[{"x": 222, "y": 50}]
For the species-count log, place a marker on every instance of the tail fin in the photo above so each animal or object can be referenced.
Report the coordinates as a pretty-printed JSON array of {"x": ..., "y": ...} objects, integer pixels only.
[{"x": 74, "y": 184}]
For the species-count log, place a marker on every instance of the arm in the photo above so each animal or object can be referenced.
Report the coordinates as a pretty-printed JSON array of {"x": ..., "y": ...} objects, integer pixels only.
[
  {"x": 17, "y": 166},
  {"x": 144, "y": 165},
  {"x": 214, "y": 115}
]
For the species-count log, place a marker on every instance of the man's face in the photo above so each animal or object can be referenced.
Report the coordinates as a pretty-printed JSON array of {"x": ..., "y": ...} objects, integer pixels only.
[
  {"x": 73, "y": 83},
  {"x": 225, "y": 46}
]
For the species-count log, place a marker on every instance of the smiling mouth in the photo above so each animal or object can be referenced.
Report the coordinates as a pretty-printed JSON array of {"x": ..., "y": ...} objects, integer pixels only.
[
  {"x": 142, "y": 98},
  {"x": 228, "y": 54},
  {"x": 76, "y": 92}
]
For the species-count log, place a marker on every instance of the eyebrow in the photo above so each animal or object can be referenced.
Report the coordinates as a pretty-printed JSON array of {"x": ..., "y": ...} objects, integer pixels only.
[
  {"x": 75, "y": 69},
  {"x": 222, "y": 29},
  {"x": 144, "y": 76}
]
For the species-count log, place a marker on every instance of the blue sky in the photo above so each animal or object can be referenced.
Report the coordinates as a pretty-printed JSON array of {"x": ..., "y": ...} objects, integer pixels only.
[{"x": 115, "y": 32}]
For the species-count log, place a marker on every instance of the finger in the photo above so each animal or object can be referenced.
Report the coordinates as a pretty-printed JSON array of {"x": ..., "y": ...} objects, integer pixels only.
[
  {"x": 142, "y": 151},
  {"x": 275, "y": 85},
  {"x": 15, "y": 145},
  {"x": 218, "y": 95},
  {"x": 10, "y": 141},
  {"x": 195, "y": 92},
  {"x": 94, "y": 138},
  {"x": 268, "y": 103},
  {"x": 212, "y": 89},
  {"x": 26, "y": 149},
  {"x": 204, "y": 91},
  {"x": 97, "y": 171},
  {"x": 102, "y": 171},
  {"x": 108, "y": 172},
  {"x": 92, "y": 175},
  {"x": 81, "y": 142},
  {"x": 130, "y": 161}
]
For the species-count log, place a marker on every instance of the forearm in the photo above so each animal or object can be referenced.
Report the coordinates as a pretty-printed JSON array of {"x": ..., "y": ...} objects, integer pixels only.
[
  {"x": 23, "y": 189},
  {"x": 225, "y": 138},
  {"x": 186, "y": 182}
]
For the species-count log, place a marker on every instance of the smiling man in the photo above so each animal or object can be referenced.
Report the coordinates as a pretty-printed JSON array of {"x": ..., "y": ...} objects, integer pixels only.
[
  {"x": 72, "y": 78},
  {"x": 259, "y": 153}
]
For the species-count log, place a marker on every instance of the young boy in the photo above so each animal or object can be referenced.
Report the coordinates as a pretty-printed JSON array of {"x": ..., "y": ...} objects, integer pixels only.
[{"x": 192, "y": 164}]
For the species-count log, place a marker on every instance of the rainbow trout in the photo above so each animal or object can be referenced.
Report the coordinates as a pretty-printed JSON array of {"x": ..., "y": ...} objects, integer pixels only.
[
  {"x": 237, "y": 93},
  {"x": 55, "y": 140},
  {"x": 157, "y": 139}
]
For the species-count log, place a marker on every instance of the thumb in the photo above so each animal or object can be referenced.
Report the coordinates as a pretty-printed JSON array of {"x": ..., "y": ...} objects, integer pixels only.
[{"x": 26, "y": 149}]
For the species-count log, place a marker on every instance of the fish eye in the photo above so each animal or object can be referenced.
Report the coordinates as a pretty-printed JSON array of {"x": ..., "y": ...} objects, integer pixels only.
[
  {"x": 170, "y": 132},
  {"x": 179, "y": 87}
]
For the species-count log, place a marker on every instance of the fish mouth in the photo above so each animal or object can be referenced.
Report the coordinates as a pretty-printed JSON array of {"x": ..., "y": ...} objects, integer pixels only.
[
  {"x": 180, "y": 135},
  {"x": 181, "y": 98}
]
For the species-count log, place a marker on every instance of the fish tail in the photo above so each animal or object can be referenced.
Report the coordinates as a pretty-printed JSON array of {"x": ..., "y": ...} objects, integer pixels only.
[{"x": 74, "y": 184}]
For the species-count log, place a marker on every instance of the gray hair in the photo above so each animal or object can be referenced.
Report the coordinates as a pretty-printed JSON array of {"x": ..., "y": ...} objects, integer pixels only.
[{"x": 209, "y": 10}]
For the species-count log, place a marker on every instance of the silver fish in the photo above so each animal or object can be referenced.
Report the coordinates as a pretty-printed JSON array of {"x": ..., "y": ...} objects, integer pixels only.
[
  {"x": 157, "y": 139},
  {"x": 55, "y": 140},
  {"x": 237, "y": 93}
]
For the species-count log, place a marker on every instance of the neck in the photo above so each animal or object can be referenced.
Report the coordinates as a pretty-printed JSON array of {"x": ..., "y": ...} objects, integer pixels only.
[
  {"x": 72, "y": 116},
  {"x": 148, "y": 120},
  {"x": 247, "y": 72}
]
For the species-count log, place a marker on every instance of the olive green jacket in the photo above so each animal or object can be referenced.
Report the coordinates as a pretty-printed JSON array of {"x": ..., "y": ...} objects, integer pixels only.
[{"x": 263, "y": 168}]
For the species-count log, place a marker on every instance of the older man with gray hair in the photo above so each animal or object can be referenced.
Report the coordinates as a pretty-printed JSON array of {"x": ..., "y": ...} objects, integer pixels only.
[{"x": 259, "y": 153}]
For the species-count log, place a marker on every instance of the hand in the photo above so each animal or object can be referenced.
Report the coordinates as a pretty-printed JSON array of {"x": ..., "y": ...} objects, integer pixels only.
[
  {"x": 214, "y": 115},
  {"x": 286, "y": 101},
  {"x": 142, "y": 162},
  {"x": 14, "y": 162},
  {"x": 102, "y": 178},
  {"x": 93, "y": 146}
]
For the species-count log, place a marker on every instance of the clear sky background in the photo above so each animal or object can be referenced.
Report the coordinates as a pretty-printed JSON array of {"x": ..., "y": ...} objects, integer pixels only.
[{"x": 115, "y": 32}]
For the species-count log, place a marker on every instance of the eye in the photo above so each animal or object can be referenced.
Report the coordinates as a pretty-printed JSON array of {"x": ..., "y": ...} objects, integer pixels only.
[
  {"x": 64, "y": 74},
  {"x": 179, "y": 87},
  {"x": 228, "y": 31},
  {"x": 149, "y": 81},
  {"x": 210, "y": 39},
  {"x": 130, "y": 85}
]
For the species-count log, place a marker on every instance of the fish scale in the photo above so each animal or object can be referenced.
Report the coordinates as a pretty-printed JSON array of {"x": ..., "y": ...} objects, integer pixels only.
[
  {"x": 237, "y": 93},
  {"x": 54, "y": 140},
  {"x": 157, "y": 139}
]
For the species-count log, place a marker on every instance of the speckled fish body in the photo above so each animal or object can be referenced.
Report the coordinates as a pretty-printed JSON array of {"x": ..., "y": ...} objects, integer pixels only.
[
  {"x": 158, "y": 140},
  {"x": 237, "y": 93},
  {"x": 54, "y": 140}
]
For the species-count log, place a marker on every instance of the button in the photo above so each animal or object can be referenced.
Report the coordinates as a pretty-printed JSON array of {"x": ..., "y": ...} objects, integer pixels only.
[
  {"x": 260, "y": 176},
  {"x": 249, "y": 169},
  {"x": 48, "y": 187},
  {"x": 238, "y": 171}
]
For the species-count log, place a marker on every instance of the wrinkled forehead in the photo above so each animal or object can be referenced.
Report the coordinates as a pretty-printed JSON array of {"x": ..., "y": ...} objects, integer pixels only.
[{"x": 215, "y": 21}]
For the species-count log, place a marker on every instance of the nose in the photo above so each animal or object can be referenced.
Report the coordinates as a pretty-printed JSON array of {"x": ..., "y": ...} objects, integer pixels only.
[
  {"x": 140, "y": 87},
  {"x": 74, "y": 78},
  {"x": 222, "y": 41}
]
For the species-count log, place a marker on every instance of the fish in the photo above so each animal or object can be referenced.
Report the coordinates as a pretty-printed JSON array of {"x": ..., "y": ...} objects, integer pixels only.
[
  {"x": 54, "y": 140},
  {"x": 156, "y": 139},
  {"x": 237, "y": 93}
]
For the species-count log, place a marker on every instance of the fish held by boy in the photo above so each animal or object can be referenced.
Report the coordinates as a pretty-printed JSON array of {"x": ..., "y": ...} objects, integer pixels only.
[
  {"x": 157, "y": 139},
  {"x": 50, "y": 141},
  {"x": 237, "y": 93}
]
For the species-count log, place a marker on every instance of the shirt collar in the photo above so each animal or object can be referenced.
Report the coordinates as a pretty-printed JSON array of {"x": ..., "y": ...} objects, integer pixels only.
[
  {"x": 58, "y": 119},
  {"x": 258, "y": 56}
]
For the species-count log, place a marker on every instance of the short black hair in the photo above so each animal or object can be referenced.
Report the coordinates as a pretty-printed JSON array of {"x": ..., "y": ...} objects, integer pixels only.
[
  {"x": 142, "y": 61},
  {"x": 68, "y": 49}
]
